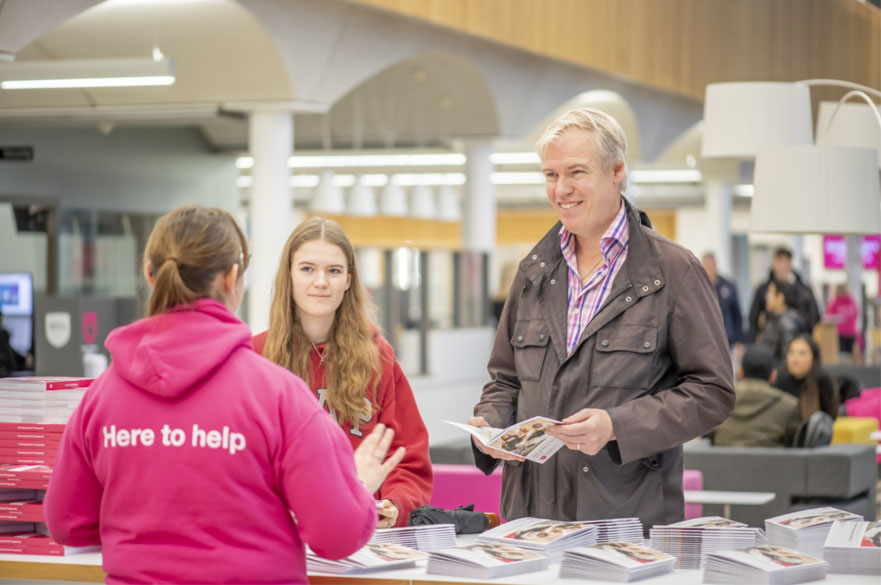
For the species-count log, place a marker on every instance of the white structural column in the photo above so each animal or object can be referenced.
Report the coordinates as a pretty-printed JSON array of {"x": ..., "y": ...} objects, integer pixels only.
[
  {"x": 854, "y": 270},
  {"x": 717, "y": 204},
  {"x": 479, "y": 205},
  {"x": 271, "y": 139},
  {"x": 478, "y": 234}
]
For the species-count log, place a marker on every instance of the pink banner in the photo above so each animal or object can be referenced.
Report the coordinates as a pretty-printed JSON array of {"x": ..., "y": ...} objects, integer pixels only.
[{"x": 835, "y": 251}]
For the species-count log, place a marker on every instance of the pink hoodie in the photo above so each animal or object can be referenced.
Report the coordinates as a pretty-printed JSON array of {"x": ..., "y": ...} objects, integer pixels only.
[{"x": 186, "y": 456}]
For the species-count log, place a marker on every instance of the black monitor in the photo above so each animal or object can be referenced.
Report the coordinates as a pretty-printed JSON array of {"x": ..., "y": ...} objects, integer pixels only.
[{"x": 17, "y": 306}]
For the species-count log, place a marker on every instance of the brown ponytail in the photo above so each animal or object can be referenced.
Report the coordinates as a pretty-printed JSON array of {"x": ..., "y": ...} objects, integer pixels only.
[{"x": 186, "y": 251}]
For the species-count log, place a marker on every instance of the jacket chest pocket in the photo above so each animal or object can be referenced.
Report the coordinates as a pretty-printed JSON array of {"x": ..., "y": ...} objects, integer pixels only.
[
  {"x": 623, "y": 357},
  {"x": 530, "y": 343}
]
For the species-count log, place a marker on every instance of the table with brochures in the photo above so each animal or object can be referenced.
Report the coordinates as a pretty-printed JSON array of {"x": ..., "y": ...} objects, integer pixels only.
[{"x": 87, "y": 568}]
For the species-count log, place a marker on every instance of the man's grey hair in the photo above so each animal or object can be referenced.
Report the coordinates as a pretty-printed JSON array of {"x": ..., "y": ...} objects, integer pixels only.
[{"x": 607, "y": 133}]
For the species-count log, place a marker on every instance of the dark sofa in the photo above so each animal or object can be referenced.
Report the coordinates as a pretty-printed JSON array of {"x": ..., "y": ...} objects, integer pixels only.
[{"x": 843, "y": 476}]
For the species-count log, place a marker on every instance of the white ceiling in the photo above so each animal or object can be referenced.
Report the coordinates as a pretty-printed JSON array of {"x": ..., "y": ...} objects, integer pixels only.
[{"x": 223, "y": 55}]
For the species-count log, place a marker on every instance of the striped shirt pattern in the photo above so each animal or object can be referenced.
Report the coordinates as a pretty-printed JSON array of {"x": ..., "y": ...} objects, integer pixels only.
[{"x": 585, "y": 301}]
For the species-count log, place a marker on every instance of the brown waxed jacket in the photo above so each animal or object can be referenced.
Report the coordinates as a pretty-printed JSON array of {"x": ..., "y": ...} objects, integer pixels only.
[{"x": 655, "y": 357}]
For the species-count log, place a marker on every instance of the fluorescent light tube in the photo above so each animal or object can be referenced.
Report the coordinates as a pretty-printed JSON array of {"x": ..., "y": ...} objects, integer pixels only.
[{"x": 79, "y": 73}]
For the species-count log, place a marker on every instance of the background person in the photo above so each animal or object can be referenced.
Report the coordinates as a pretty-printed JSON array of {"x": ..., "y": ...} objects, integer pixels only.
[
  {"x": 844, "y": 311},
  {"x": 613, "y": 329},
  {"x": 802, "y": 376},
  {"x": 168, "y": 509},
  {"x": 781, "y": 321},
  {"x": 320, "y": 329},
  {"x": 781, "y": 270},
  {"x": 728, "y": 301},
  {"x": 763, "y": 416}
]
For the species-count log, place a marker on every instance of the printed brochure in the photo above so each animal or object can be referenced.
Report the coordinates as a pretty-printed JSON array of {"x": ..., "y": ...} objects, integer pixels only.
[{"x": 526, "y": 439}]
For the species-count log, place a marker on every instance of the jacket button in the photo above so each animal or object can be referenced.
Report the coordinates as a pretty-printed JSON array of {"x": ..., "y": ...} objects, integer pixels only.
[
  {"x": 657, "y": 283},
  {"x": 605, "y": 343},
  {"x": 645, "y": 289},
  {"x": 628, "y": 299},
  {"x": 541, "y": 337},
  {"x": 647, "y": 344},
  {"x": 553, "y": 281},
  {"x": 534, "y": 257},
  {"x": 585, "y": 469},
  {"x": 519, "y": 338},
  {"x": 542, "y": 264}
]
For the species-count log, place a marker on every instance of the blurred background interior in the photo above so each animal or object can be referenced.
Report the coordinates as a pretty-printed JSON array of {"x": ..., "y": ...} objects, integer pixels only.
[{"x": 412, "y": 124}]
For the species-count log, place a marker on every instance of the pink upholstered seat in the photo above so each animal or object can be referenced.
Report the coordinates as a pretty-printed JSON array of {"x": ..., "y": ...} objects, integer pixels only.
[
  {"x": 867, "y": 404},
  {"x": 460, "y": 485},
  {"x": 693, "y": 479}
]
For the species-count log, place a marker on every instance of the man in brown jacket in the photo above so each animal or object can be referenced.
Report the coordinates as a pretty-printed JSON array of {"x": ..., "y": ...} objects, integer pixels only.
[{"x": 613, "y": 329}]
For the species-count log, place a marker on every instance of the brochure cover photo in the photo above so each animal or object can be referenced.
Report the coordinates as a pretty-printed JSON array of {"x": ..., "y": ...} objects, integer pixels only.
[{"x": 525, "y": 439}]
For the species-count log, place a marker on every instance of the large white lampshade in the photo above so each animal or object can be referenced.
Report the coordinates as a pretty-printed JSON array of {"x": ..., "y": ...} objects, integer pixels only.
[
  {"x": 742, "y": 118},
  {"x": 393, "y": 201},
  {"x": 853, "y": 125},
  {"x": 423, "y": 205},
  {"x": 448, "y": 205},
  {"x": 816, "y": 189},
  {"x": 328, "y": 196},
  {"x": 362, "y": 199}
]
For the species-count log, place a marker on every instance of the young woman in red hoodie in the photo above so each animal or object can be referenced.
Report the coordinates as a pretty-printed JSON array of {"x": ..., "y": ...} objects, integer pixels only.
[
  {"x": 320, "y": 329},
  {"x": 194, "y": 460}
]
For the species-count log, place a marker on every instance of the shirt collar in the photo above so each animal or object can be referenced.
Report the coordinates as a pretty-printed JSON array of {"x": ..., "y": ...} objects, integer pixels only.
[{"x": 618, "y": 233}]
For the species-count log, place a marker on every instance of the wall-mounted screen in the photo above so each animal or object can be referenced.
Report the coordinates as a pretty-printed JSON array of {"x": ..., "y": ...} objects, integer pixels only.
[{"x": 17, "y": 306}]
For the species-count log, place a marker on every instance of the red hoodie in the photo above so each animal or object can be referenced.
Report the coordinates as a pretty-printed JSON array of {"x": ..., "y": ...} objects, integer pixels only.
[
  {"x": 409, "y": 484},
  {"x": 187, "y": 457}
]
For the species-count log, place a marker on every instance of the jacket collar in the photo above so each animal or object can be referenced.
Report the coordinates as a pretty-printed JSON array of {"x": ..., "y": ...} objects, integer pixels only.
[{"x": 641, "y": 268}]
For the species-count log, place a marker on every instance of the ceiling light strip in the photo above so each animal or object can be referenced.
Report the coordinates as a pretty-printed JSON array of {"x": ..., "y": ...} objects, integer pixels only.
[{"x": 88, "y": 82}]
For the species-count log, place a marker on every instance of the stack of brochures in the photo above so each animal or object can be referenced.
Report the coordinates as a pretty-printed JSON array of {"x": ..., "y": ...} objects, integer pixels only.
[
  {"x": 763, "y": 564},
  {"x": 32, "y": 538},
  {"x": 485, "y": 561},
  {"x": 40, "y": 400},
  {"x": 805, "y": 530},
  {"x": 425, "y": 538},
  {"x": 548, "y": 537},
  {"x": 33, "y": 414},
  {"x": 854, "y": 547},
  {"x": 373, "y": 557},
  {"x": 21, "y": 505},
  {"x": 618, "y": 529},
  {"x": 525, "y": 439},
  {"x": 34, "y": 477},
  {"x": 615, "y": 561},
  {"x": 691, "y": 540}
]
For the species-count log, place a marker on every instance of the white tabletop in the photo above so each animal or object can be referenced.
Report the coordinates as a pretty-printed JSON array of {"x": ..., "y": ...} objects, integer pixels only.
[
  {"x": 723, "y": 497},
  {"x": 875, "y": 435},
  {"x": 413, "y": 576}
]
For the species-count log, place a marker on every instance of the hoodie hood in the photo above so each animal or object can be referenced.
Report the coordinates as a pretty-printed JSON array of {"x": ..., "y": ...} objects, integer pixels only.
[
  {"x": 170, "y": 353},
  {"x": 754, "y": 397}
]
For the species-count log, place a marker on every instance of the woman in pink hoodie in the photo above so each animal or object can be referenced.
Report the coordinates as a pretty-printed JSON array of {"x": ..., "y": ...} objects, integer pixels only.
[{"x": 192, "y": 458}]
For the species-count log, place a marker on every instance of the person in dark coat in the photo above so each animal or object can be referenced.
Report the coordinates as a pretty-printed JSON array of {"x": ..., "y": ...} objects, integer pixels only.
[
  {"x": 782, "y": 321},
  {"x": 803, "y": 377},
  {"x": 728, "y": 301},
  {"x": 612, "y": 329},
  {"x": 781, "y": 270}
]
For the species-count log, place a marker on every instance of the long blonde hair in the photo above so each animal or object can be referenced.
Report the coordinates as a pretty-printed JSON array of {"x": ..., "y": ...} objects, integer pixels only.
[
  {"x": 186, "y": 251},
  {"x": 352, "y": 362}
]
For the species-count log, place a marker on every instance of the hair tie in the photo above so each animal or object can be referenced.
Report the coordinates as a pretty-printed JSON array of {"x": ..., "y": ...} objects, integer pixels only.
[{"x": 174, "y": 259}]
